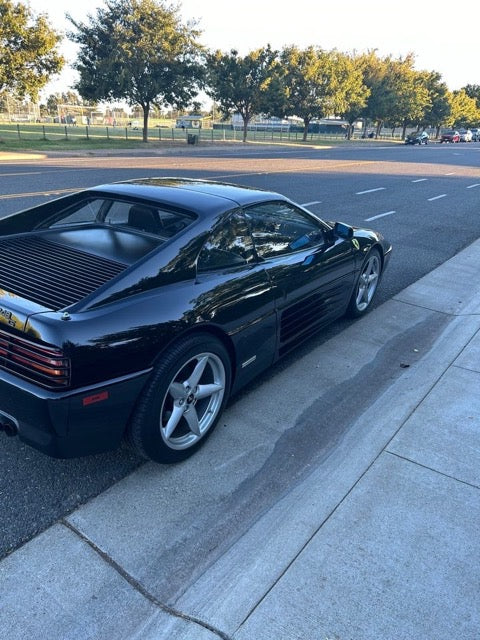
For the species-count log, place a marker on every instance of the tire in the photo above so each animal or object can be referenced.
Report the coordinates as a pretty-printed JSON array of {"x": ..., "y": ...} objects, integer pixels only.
[
  {"x": 366, "y": 285},
  {"x": 183, "y": 400}
]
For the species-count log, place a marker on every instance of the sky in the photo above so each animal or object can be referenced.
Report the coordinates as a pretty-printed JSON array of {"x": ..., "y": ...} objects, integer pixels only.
[{"x": 446, "y": 42}]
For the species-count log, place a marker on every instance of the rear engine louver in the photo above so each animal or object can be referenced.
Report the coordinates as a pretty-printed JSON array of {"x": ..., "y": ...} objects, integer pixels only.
[{"x": 50, "y": 274}]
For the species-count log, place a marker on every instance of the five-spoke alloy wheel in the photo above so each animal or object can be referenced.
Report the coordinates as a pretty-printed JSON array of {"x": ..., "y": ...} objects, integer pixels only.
[
  {"x": 366, "y": 285},
  {"x": 183, "y": 401}
]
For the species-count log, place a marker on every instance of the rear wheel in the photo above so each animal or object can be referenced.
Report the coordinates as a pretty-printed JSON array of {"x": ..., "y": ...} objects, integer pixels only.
[
  {"x": 366, "y": 285},
  {"x": 183, "y": 401}
]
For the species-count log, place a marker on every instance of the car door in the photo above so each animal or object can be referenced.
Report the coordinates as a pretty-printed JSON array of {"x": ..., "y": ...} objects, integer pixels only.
[
  {"x": 236, "y": 295},
  {"x": 312, "y": 271}
]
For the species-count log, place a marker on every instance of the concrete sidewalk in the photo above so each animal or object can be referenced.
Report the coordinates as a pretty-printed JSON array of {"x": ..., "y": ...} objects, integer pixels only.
[{"x": 308, "y": 531}]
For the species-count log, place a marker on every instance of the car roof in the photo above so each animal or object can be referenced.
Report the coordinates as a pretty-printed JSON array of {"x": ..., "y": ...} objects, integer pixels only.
[{"x": 203, "y": 197}]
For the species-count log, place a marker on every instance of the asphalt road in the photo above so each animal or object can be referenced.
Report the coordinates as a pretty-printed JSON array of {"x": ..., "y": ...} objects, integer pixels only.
[{"x": 424, "y": 199}]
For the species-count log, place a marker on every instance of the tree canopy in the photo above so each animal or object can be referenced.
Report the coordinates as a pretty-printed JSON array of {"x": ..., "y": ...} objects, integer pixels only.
[
  {"x": 318, "y": 83},
  {"x": 28, "y": 50},
  {"x": 242, "y": 84},
  {"x": 138, "y": 51}
]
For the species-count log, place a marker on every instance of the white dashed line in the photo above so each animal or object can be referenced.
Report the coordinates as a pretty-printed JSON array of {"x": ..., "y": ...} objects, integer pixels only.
[
  {"x": 472, "y": 186},
  {"x": 444, "y": 195},
  {"x": 380, "y": 215},
  {"x": 452, "y": 173},
  {"x": 360, "y": 193},
  {"x": 309, "y": 204},
  {"x": 420, "y": 180}
]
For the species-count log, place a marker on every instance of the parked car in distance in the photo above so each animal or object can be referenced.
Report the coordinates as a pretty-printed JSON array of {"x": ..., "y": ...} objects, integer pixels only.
[
  {"x": 475, "y": 134},
  {"x": 134, "y": 310},
  {"x": 450, "y": 136},
  {"x": 465, "y": 135},
  {"x": 420, "y": 137}
]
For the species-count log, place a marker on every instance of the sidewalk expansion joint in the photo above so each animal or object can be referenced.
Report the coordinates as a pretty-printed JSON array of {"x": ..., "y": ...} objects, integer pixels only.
[
  {"x": 451, "y": 314},
  {"x": 432, "y": 469},
  {"x": 135, "y": 584}
]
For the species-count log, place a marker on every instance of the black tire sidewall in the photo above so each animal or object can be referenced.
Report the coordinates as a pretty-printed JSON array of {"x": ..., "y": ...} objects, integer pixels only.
[{"x": 144, "y": 430}]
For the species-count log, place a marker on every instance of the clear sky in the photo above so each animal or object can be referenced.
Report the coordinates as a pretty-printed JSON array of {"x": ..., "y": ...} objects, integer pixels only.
[{"x": 443, "y": 41}]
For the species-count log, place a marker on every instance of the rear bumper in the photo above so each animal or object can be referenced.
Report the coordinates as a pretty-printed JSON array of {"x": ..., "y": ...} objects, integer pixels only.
[{"x": 73, "y": 423}]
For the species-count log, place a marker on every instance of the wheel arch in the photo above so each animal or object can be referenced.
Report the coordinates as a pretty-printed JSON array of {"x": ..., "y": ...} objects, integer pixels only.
[{"x": 213, "y": 331}]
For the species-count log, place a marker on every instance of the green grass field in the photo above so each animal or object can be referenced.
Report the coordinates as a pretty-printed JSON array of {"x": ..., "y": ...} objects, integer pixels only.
[{"x": 55, "y": 137}]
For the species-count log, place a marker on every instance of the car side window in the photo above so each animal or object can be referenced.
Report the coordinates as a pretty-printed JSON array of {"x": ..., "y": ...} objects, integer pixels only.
[
  {"x": 86, "y": 212},
  {"x": 230, "y": 245},
  {"x": 279, "y": 228}
]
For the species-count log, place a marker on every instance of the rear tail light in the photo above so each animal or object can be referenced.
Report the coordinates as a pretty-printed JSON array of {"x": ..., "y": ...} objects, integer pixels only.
[{"x": 42, "y": 364}]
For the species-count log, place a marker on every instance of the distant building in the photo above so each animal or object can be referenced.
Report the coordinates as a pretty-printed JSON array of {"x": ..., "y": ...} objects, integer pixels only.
[{"x": 189, "y": 122}]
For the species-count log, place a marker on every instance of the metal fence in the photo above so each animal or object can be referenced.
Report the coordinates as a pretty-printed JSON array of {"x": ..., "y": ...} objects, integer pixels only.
[{"x": 58, "y": 132}]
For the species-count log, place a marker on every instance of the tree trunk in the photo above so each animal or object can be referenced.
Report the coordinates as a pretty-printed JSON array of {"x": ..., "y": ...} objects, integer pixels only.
[
  {"x": 306, "y": 122},
  {"x": 245, "y": 130},
  {"x": 146, "y": 110}
]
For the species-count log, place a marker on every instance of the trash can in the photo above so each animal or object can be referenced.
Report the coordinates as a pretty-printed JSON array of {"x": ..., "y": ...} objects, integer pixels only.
[{"x": 192, "y": 138}]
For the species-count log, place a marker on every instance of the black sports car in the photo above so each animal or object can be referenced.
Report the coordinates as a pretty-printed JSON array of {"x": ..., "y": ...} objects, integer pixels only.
[{"x": 135, "y": 309}]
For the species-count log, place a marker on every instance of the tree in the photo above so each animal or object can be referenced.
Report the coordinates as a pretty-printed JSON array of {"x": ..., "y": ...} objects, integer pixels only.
[
  {"x": 318, "y": 83},
  {"x": 409, "y": 95},
  {"x": 138, "y": 51},
  {"x": 464, "y": 110},
  {"x": 357, "y": 92},
  {"x": 473, "y": 91},
  {"x": 439, "y": 109},
  {"x": 242, "y": 85},
  {"x": 28, "y": 50}
]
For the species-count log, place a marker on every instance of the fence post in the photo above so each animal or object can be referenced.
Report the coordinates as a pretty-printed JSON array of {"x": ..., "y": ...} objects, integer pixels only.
[
  {"x": 44, "y": 136},
  {"x": 18, "y": 131},
  {"x": 86, "y": 128},
  {"x": 126, "y": 133},
  {"x": 108, "y": 136},
  {"x": 66, "y": 133}
]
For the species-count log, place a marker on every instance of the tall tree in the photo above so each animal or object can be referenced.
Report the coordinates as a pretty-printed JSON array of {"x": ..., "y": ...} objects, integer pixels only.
[
  {"x": 138, "y": 51},
  {"x": 28, "y": 50},
  {"x": 318, "y": 83},
  {"x": 309, "y": 83},
  {"x": 242, "y": 84},
  {"x": 357, "y": 92},
  {"x": 464, "y": 110},
  {"x": 410, "y": 96},
  {"x": 473, "y": 91},
  {"x": 439, "y": 109}
]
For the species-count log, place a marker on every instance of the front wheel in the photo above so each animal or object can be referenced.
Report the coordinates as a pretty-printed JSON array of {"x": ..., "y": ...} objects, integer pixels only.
[
  {"x": 366, "y": 285},
  {"x": 183, "y": 401}
]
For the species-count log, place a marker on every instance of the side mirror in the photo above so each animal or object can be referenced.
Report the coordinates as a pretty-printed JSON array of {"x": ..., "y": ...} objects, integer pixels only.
[{"x": 342, "y": 230}]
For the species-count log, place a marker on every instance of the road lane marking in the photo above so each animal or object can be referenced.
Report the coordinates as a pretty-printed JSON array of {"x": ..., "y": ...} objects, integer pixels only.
[
  {"x": 309, "y": 204},
  {"x": 360, "y": 193},
  {"x": 472, "y": 186},
  {"x": 380, "y": 215},
  {"x": 33, "y": 194},
  {"x": 420, "y": 180},
  {"x": 452, "y": 173},
  {"x": 444, "y": 195}
]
